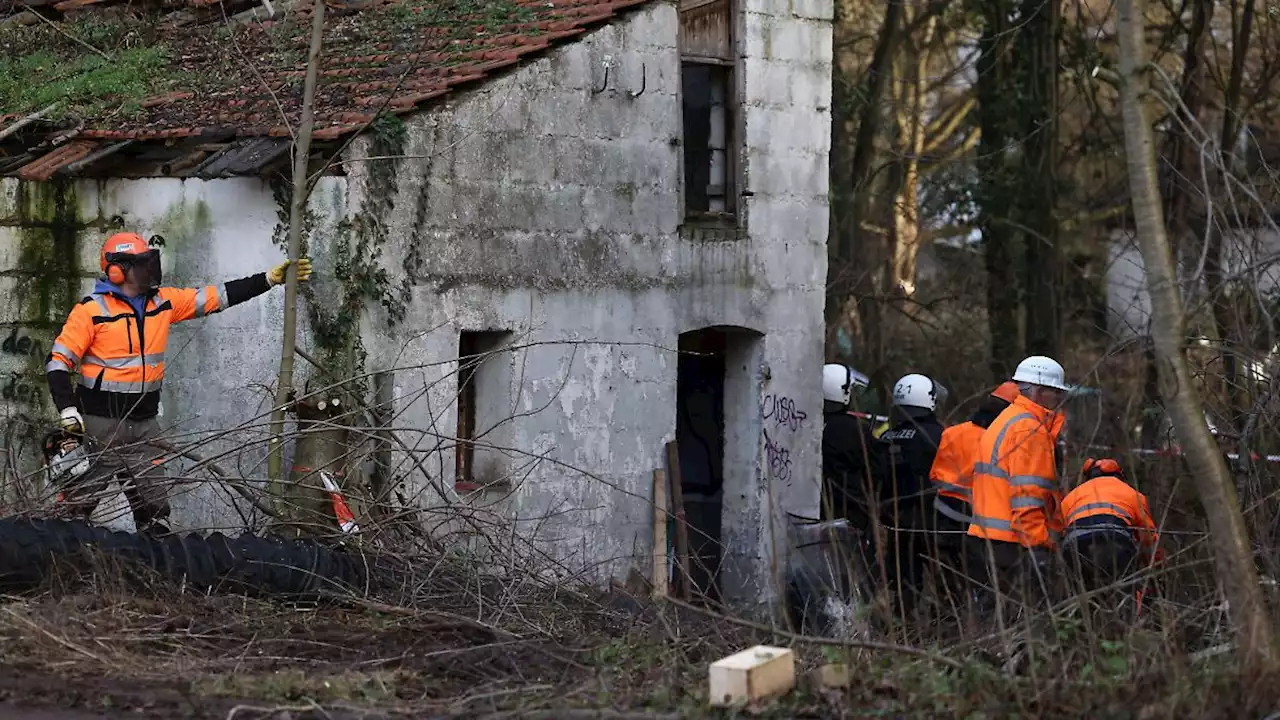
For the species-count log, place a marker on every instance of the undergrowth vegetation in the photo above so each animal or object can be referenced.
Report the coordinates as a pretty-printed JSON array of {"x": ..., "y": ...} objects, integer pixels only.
[{"x": 456, "y": 641}]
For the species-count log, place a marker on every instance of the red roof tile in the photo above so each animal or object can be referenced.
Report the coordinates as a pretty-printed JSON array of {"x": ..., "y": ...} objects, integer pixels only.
[
  {"x": 47, "y": 165},
  {"x": 389, "y": 56}
]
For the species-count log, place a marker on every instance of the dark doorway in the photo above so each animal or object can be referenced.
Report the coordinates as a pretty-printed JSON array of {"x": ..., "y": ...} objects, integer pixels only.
[
  {"x": 700, "y": 437},
  {"x": 715, "y": 409}
]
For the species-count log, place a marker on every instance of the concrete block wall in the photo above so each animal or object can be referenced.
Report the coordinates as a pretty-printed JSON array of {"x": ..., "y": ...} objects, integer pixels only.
[
  {"x": 553, "y": 211},
  {"x": 787, "y": 51}
]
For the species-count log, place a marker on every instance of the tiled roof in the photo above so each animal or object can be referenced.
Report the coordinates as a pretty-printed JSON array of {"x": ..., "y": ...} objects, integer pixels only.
[{"x": 241, "y": 78}]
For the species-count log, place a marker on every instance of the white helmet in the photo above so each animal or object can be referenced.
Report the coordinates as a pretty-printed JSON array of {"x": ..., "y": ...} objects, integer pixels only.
[
  {"x": 917, "y": 390},
  {"x": 1041, "y": 370},
  {"x": 838, "y": 382}
]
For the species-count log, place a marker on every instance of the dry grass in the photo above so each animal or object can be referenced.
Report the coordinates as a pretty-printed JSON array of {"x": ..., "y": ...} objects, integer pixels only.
[{"x": 158, "y": 650}]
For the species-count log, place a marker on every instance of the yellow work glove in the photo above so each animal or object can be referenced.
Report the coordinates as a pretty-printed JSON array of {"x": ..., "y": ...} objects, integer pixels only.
[{"x": 275, "y": 276}]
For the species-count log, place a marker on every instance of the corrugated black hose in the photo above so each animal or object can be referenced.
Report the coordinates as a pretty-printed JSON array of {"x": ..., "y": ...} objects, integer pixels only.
[{"x": 31, "y": 548}]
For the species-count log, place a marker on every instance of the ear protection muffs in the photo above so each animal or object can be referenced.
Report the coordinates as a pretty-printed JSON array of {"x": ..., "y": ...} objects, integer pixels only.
[
  {"x": 115, "y": 274},
  {"x": 117, "y": 271},
  {"x": 1102, "y": 467}
]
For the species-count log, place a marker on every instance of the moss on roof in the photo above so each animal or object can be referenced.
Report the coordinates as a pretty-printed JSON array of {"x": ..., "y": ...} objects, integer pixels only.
[
  {"x": 92, "y": 68},
  {"x": 104, "y": 61}
]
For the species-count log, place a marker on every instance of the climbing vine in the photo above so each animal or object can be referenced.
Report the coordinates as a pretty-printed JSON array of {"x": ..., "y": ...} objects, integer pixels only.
[
  {"x": 357, "y": 250},
  {"x": 413, "y": 257}
]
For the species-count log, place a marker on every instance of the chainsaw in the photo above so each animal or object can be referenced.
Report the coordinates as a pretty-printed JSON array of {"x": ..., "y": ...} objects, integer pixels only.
[{"x": 66, "y": 458}]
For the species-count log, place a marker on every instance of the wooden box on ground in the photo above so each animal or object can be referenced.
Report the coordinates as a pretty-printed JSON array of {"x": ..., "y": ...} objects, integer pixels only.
[{"x": 756, "y": 674}]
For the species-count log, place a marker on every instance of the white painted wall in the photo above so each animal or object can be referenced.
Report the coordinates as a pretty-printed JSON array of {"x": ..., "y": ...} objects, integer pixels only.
[{"x": 220, "y": 368}]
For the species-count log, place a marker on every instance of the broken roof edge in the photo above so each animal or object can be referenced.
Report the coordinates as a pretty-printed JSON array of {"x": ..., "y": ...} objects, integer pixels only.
[{"x": 72, "y": 153}]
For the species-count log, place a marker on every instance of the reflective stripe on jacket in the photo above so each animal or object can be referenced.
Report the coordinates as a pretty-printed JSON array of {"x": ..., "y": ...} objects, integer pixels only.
[
  {"x": 1111, "y": 497},
  {"x": 1015, "y": 489}
]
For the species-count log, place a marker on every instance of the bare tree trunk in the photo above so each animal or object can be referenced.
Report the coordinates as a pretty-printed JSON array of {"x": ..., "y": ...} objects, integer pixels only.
[
  {"x": 297, "y": 207},
  {"x": 909, "y": 111},
  {"x": 994, "y": 196},
  {"x": 1231, "y": 337},
  {"x": 1213, "y": 482},
  {"x": 1179, "y": 190},
  {"x": 869, "y": 126},
  {"x": 1042, "y": 263},
  {"x": 849, "y": 254}
]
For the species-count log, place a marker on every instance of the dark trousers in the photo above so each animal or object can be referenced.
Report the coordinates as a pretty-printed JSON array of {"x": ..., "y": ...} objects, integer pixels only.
[
  {"x": 1013, "y": 571},
  {"x": 908, "y": 537},
  {"x": 1102, "y": 550},
  {"x": 951, "y": 562},
  {"x": 1099, "y": 559},
  {"x": 121, "y": 451}
]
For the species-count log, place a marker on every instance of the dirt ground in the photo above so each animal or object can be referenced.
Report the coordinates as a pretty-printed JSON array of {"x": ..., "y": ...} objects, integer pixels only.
[
  {"x": 95, "y": 653},
  {"x": 453, "y": 646}
]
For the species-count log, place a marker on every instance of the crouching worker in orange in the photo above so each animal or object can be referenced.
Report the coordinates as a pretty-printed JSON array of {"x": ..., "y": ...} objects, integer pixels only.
[
  {"x": 117, "y": 337},
  {"x": 1108, "y": 525}
]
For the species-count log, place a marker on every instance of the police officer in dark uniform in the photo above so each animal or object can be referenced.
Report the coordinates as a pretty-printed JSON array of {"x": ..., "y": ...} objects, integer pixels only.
[
  {"x": 831, "y": 564},
  {"x": 847, "y": 449},
  {"x": 906, "y": 453}
]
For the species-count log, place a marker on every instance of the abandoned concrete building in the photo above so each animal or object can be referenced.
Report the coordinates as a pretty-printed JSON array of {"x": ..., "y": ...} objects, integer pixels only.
[{"x": 620, "y": 206}]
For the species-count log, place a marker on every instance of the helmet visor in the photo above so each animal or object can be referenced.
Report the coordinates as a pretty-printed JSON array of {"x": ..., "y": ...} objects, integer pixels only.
[{"x": 144, "y": 267}]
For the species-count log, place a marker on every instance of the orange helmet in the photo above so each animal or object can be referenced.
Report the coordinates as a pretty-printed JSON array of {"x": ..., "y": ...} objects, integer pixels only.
[
  {"x": 124, "y": 250},
  {"x": 1102, "y": 467},
  {"x": 1008, "y": 391}
]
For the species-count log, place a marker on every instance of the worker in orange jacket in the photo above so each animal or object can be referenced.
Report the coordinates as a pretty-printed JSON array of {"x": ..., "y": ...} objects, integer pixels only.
[
  {"x": 952, "y": 479},
  {"x": 1108, "y": 525},
  {"x": 1015, "y": 486},
  {"x": 117, "y": 337},
  {"x": 952, "y": 471}
]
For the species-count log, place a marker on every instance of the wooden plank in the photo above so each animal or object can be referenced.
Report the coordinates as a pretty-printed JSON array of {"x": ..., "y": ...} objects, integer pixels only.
[
  {"x": 181, "y": 164},
  {"x": 661, "y": 570},
  {"x": 707, "y": 30},
  {"x": 682, "y": 526}
]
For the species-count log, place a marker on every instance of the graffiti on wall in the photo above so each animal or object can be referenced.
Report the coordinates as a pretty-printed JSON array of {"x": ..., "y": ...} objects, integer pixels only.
[
  {"x": 784, "y": 418},
  {"x": 23, "y": 382},
  {"x": 19, "y": 343},
  {"x": 781, "y": 412},
  {"x": 778, "y": 458}
]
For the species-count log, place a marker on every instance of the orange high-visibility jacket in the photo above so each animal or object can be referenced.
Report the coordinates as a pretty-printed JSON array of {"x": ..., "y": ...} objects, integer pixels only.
[
  {"x": 121, "y": 352},
  {"x": 952, "y": 471},
  {"x": 1015, "y": 489},
  {"x": 1113, "y": 497}
]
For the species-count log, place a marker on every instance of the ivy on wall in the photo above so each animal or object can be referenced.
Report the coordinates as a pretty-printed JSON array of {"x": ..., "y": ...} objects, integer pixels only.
[{"x": 357, "y": 250}]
